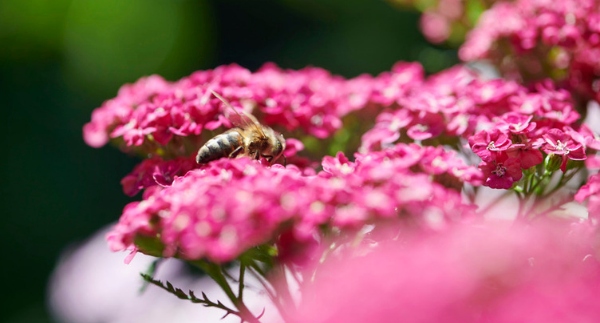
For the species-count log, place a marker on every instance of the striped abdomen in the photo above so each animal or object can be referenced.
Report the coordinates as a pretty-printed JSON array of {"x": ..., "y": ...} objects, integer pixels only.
[{"x": 220, "y": 146}]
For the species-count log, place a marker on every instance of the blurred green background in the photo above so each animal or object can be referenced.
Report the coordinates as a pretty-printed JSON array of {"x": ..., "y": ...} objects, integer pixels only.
[{"x": 60, "y": 59}]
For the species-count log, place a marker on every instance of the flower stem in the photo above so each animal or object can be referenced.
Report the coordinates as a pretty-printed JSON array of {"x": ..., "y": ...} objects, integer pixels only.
[{"x": 216, "y": 273}]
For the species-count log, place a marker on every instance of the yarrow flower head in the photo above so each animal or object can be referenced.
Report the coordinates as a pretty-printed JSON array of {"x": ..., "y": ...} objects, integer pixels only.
[
  {"x": 458, "y": 103},
  {"x": 541, "y": 38},
  {"x": 228, "y": 206},
  {"x": 216, "y": 212},
  {"x": 158, "y": 117}
]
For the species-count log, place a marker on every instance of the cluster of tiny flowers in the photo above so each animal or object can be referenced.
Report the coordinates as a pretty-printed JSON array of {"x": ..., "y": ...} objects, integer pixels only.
[
  {"x": 428, "y": 109},
  {"x": 216, "y": 212},
  {"x": 518, "y": 141},
  {"x": 541, "y": 38},
  {"x": 228, "y": 206},
  {"x": 458, "y": 102},
  {"x": 153, "y": 111}
]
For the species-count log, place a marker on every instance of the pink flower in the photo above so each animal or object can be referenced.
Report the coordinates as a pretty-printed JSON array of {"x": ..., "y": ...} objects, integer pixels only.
[
  {"x": 429, "y": 125},
  {"x": 561, "y": 144},
  {"x": 591, "y": 192},
  {"x": 526, "y": 154},
  {"x": 116, "y": 111},
  {"x": 386, "y": 130},
  {"x": 516, "y": 123},
  {"x": 338, "y": 165},
  {"x": 489, "y": 145},
  {"x": 584, "y": 136},
  {"x": 155, "y": 171},
  {"x": 389, "y": 87},
  {"x": 501, "y": 174},
  {"x": 435, "y": 27},
  {"x": 590, "y": 189},
  {"x": 593, "y": 162}
]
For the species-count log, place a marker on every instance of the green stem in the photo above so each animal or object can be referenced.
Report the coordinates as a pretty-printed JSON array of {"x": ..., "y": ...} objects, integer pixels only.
[
  {"x": 241, "y": 282},
  {"x": 216, "y": 273},
  {"x": 537, "y": 183}
]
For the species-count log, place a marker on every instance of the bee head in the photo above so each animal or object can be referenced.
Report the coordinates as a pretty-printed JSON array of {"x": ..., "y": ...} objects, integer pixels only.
[{"x": 278, "y": 146}]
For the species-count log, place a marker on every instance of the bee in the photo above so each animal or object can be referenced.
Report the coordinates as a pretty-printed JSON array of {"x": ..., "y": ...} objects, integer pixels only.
[{"x": 248, "y": 138}]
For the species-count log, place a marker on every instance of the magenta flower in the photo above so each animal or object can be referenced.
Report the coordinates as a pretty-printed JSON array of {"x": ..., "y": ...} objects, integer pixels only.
[
  {"x": 389, "y": 87},
  {"x": 561, "y": 144},
  {"x": 118, "y": 110},
  {"x": 155, "y": 171},
  {"x": 538, "y": 39},
  {"x": 501, "y": 174},
  {"x": 584, "y": 136},
  {"x": 591, "y": 192},
  {"x": 429, "y": 125},
  {"x": 489, "y": 145},
  {"x": 590, "y": 189},
  {"x": 592, "y": 162},
  {"x": 516, "y": 123},
  {"x": 526, "y": 154},
  {"x": 387, "y": 129}
]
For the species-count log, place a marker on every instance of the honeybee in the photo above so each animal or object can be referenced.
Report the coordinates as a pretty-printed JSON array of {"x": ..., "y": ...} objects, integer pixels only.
[{"x": 248, "y": 138}]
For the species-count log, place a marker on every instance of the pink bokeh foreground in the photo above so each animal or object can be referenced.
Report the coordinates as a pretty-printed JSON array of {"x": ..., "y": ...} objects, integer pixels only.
[{"x": 545, "y": 272}]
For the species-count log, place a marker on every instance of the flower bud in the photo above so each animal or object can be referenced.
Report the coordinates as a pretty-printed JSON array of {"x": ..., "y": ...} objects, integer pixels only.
[{"x": 554, "y": 162}]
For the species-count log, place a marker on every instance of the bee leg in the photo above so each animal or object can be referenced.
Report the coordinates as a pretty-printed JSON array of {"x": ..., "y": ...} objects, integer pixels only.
[
  {"x": 236, "y": 152},
  {"x": 284, "y": 161}
]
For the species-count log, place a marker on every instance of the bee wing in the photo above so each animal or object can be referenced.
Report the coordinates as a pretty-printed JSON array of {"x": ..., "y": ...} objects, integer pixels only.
[{"x": 241, "y": 120}]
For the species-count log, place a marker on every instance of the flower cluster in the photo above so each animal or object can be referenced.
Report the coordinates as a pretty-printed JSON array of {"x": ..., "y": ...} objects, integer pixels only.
[
  {"x": 432, "y": 107},
  {"x": 151, "y": 113},
  {"x": 508, "y": 125},
  {"x": 230, "y": 205},
  {"x": 544, "y": 272},
  {"x": 539, "y": 39},
  {"x": 518, "y": 139},
  {"x": 458, "y": 102}
]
